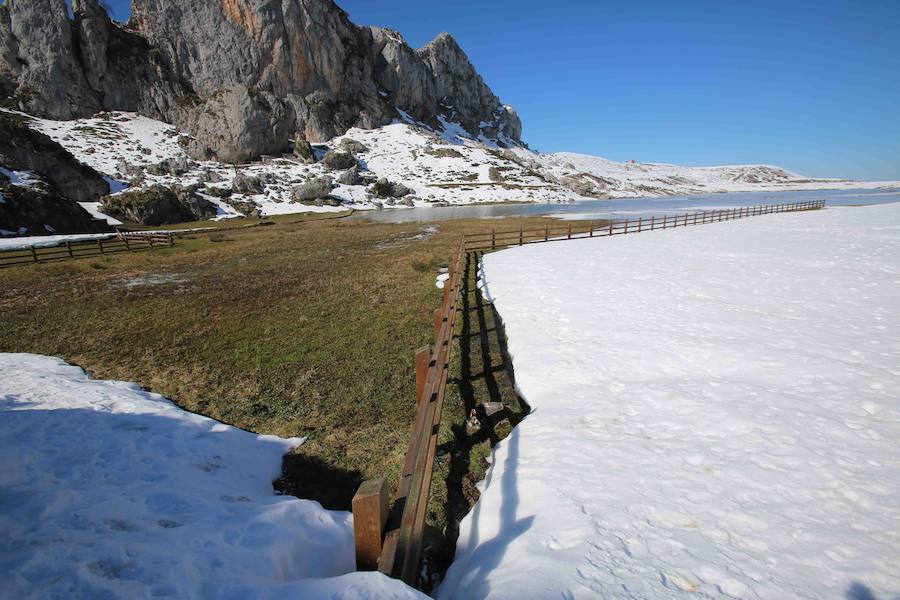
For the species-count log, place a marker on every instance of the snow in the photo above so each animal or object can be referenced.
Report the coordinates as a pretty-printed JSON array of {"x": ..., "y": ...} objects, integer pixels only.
[
  {"x": 113, "y": 492},
  {"x": 21, "y": 178},
  {"x": 45, "y": 241},
  {"x": 715, "y": 415},
  {"x": 102, "y": 141},
  {"x": 643, "y": 180},
  {"x": 94, "y": 209}
]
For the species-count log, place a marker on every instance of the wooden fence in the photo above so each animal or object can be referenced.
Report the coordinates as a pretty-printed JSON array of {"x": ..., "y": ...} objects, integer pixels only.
[
  {"x": 122, "y": 242},
  {"x": 503, "y": 239},
  {"x": 389, "y": 537},
  {"x": 391, "y": 540}
]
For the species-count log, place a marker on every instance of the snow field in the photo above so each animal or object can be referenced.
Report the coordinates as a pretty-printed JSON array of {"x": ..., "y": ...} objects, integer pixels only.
[
  {"x": 108, "y": 491},
  {"x": 715, "y": 415}
]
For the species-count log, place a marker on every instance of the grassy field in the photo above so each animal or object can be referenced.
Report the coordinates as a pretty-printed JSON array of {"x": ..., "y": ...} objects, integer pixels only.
[{"x": 297, "y": 329}]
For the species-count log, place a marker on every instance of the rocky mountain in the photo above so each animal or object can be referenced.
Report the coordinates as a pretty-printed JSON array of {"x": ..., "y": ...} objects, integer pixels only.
[
  {"x": 218, "y": 108},
  {"x": 243, "y": 77}
]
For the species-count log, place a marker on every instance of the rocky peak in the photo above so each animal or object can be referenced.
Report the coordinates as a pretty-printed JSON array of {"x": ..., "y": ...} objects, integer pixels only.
[{"x": 243, "y": 76}]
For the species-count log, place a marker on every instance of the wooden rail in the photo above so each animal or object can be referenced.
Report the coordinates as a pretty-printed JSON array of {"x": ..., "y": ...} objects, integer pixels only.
[
  {"x": 503, "y": 239},
  {"x": 394, "y": 545},
  {"x": 122, "y": 242},
  {"x": 389, "y": 538}
]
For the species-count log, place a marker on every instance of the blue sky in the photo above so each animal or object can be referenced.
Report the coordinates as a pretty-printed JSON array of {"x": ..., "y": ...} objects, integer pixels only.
[{"x": 813, "y": 86}]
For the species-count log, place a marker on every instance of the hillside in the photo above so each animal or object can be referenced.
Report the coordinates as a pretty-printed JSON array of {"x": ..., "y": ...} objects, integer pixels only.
[{"x": 403, "y": 164}]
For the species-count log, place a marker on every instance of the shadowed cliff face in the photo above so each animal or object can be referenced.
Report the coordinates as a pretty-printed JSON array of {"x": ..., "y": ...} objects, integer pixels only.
[{"x": 244, "y": 76}]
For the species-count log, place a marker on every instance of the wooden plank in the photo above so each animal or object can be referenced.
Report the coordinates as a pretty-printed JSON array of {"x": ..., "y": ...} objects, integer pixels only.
[
  {"x": 423, "y": 358},
  {"x": 370, "y": 513}
]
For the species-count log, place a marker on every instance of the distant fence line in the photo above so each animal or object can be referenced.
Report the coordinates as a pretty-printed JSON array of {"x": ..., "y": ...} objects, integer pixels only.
[
  {"x": 123, "y": 242},
  {"x": 389, "y": 538},
  {"x": 503, "y": 239}
]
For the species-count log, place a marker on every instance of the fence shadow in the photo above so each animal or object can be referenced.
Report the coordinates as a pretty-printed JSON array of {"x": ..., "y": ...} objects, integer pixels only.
[{"x": 485, "y": 376}]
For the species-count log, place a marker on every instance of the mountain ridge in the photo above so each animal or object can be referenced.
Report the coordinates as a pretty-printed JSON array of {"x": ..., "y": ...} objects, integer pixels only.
[{"x": 243, "y": 76}]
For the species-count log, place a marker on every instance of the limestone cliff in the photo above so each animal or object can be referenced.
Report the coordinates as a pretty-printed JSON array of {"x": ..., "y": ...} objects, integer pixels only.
[{"x": 243, "y": 76}]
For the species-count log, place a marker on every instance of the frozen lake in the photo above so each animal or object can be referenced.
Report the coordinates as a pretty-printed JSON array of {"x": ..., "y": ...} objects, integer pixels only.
[{"x": 627, "y": 207}]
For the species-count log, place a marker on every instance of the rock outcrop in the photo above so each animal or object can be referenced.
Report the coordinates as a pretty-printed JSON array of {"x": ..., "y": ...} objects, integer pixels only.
[
  {"x": 243, "y": 76},
  {"x": 28, "y": 150},
  {"x": 157, "y": 205},
  {"x": 49, "y": 205}
]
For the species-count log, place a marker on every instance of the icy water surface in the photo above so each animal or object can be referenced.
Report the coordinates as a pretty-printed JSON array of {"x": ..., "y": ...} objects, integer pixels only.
[{"x": 628, "y": 207}]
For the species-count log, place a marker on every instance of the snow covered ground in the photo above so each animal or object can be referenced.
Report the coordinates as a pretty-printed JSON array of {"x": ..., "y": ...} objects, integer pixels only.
[
  {"x": 716, "y": 415},
  {"x": 47, "y": 241},
  {"x": 108, "y": 491}
]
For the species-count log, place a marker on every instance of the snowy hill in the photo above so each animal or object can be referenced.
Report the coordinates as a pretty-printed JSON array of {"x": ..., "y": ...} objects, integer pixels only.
[{"x": 419, "y": 165}]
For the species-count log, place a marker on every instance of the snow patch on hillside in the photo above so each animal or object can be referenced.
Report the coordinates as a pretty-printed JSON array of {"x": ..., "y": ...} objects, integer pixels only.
[
  {"x": 113, "y": 492},
  {"x": 443, "y": 166},
  {"x": 715, "y": 414}
]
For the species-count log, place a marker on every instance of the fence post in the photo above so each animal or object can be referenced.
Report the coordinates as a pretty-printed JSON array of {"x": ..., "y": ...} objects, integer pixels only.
[
  {"x": 569, "y": 237},
  {"x": 69, "y": 248},
  {"x": 100, "y": 244},
  {"x": 493, "y": 239},
  {"x": 447, "y": 286},
  {"x": 34, "y": 254},
  {"x": 610, "y": 227},
  {"x": 626, "y": 226},
  {"x": 127, "y": 243},
  {"x": 171, "y": 239},
  {"x": 423, "y": 357},
  {"x": 652, "y": 222},
  {"x": 592, "y": 230},
  {"x": 370, "y": 513},
  {"x": 640, "y": 223},
  {"x": 521, "y": 234},
  {"x": 150, "y": 237}
]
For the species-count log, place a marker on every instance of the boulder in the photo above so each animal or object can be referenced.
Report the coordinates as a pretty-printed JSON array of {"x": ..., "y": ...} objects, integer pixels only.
[
  {"x": 157, "y": 205},
  {"x": 304, "y": 150},
  {"x": 312, "y": 190},
  {"x": 219, "y": 192},
  {"x": 177, "y": 165},
  {"x": 40, "y": 209},
  {"x": 382, "y": 188},
  {"x": 398, "y": 190},
  {"x": 247, "y": 184},
  {"x": 336, "y": 160},
  {"x": 200, "y": 207},
  {"x": 353, "y": 146},
  {"x": 349, "y": 177},
  {"x": 386, "y": 189},
  {"x": 210, "y": 177}
]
